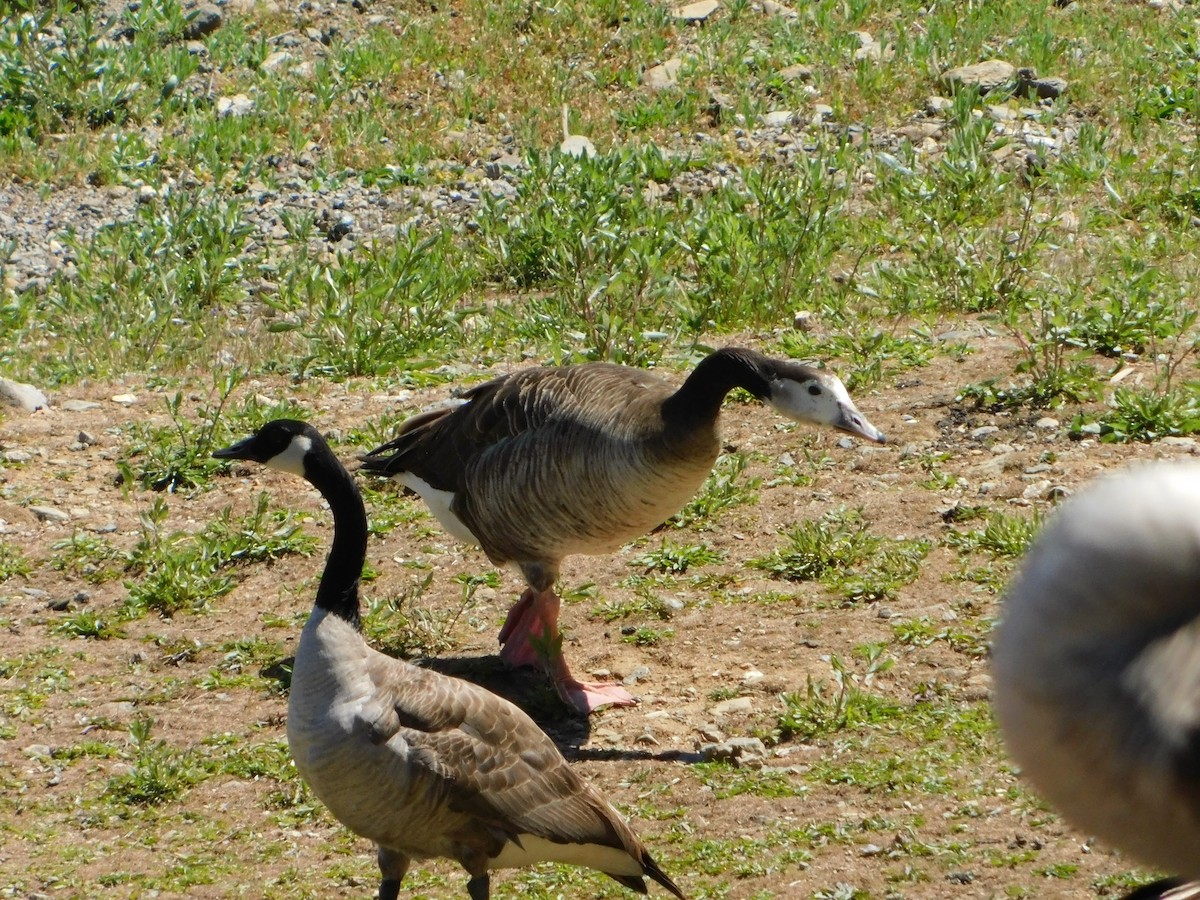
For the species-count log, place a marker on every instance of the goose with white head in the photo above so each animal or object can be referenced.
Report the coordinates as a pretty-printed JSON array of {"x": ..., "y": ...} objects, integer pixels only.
[
  {"x": 1097, "y": 667},
  {"x": 548, "y": 462},
  {"x": 420, "y": 763}
]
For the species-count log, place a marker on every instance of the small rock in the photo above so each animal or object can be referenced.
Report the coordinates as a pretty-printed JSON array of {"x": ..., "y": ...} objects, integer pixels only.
[
  {"x": 696, "y": 12},
  {"x": 1042, "y": 88},
  {"x": 884, "y": 612},
  {"x": 803, "y": 320},
  {"x": 733, "y": 706},
  {"x": 663, "y": 76},
  {"x": 822, "y": 111},
  {"x": 1036, "y": 491},
  {"x": 59, "y": 604},
  {"x": 986, "y": 76},
  {"x": 79, "y": 405},
  {"x": 234, "y": 107},
  {"x": 86, "y": 438},
  {"x": 935, "y": 105},
  {"x": 779, "y": 118},
  {"x": 845, "y": 443},
  {"x": 744, "y": 752},
  {"x": 771, "y": 8},
  {"x": 711, "y": 733},
  {"x": 146, "y": 194},
  {"x": 202, "y": 22},
  {"x": 797, "y": 72},
  {"x": 49, "y": 514},
  {"x": 276, "y": 60},
  {"x": 1047, "y": 423},
  {"x": 16, "y": 456},
  {"x": 984, "y": 431},
  {"x": 577, "y": 145},
  {"x": 34, "y": 751},
  {"x": 641, "y": 673},
  {"x": 752, "y": 677},
  {"x": 23, "y": 396},
  {"x": 125, "y": 399}
]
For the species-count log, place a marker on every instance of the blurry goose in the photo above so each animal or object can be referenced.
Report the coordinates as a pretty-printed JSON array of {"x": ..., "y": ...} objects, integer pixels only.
[
  {"x": 1097, "y": 667},
  {"x": 422, "y": 764},
  {"x": 547, "y": 462}
]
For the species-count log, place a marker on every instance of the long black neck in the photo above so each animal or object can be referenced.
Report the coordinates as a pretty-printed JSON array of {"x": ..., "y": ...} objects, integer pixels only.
[
  {"x": 698, "y": 401},
  {"x": 338, "y": 592}
]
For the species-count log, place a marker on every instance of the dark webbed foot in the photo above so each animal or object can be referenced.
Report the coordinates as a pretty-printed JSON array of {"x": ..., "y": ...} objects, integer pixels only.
[
  {"x": 392, "y": 866},
  {"x": 479, "y": 887}
]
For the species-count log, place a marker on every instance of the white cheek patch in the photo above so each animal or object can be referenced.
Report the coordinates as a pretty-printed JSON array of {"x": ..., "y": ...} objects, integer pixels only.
[{"x": 291, "y": 460}]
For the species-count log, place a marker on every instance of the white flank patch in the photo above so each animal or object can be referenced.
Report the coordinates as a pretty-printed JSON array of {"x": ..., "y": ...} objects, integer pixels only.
[
  {"x": 439, "y": 504},
  {"x": 537, "y": 849},
  {"x": 291, "y": 460}
]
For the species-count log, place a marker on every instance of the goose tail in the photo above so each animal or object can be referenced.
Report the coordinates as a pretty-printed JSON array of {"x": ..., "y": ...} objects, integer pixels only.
[{"x": 651, "y": 870}]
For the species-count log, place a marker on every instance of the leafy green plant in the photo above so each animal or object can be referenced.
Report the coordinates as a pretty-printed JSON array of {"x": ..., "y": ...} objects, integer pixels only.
[
  {"x": 180, "y": 456},
  {"x": 12, "y": 562},
  {"x": 1004, "y": 536},
  {"x": 823, "y": 710},
  {"x": 724, "y": 489},
  {"x": 87, "y": 624},
  {"x": 676, "y": 558},
  {"x": 158, "y": 774}
]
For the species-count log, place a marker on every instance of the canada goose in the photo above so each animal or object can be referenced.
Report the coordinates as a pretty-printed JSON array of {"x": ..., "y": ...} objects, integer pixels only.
[
  {"x": 423, "y": 764},
  {"x": 548, "y": 462},
  {"x": 1097, "y": 666}
]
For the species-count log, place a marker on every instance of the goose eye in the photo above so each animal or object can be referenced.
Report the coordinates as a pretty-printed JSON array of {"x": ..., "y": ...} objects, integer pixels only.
[{"x": 814, "y": 390}]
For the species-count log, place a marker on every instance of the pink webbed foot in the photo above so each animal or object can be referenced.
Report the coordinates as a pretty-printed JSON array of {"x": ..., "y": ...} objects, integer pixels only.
[
  {"x": 531, "y": 638},
  {"x": 588, "y": 696},
  {"x": 525, "y": 623}
]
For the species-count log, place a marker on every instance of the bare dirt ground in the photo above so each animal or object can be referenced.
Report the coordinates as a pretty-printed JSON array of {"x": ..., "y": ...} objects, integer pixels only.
[{"x": 976, "y": 838}]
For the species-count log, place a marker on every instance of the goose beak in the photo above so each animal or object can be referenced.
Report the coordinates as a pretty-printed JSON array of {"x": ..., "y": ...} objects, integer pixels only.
[
  {"x": 852, "y": 421},
  {"x": 240, "y": 450}
]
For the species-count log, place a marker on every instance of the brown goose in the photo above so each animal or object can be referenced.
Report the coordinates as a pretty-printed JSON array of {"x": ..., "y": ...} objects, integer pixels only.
[
  {"x": 1097, "y": 667},
  {"x": 547, "y": 462},
  {"x": 422, "y": 764}
]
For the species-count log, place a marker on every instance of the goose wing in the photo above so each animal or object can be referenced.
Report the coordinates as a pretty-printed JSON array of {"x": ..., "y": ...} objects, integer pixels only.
[
  {"x": 440, "y": 446},
  {"x": 495, "y": 763}
]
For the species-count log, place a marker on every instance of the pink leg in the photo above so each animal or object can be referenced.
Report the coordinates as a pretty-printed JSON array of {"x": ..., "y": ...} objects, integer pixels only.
[{"x": 531, "y": 637}]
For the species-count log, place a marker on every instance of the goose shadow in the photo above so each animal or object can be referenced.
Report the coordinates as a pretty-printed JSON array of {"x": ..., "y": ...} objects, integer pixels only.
[{"x": 528, "y": 689}]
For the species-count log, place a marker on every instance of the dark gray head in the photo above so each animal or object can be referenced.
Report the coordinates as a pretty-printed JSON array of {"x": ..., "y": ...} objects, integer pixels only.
[{"x": 281, "y": 444}]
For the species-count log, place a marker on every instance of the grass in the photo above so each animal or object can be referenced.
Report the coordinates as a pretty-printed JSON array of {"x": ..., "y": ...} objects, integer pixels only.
[{"x": 692, "y": 228}]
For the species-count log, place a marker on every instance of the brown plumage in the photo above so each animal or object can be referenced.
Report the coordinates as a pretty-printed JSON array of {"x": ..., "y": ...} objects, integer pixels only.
[
  {"x": 548, "y": 462},
  {"x": 422, "y": 764}
]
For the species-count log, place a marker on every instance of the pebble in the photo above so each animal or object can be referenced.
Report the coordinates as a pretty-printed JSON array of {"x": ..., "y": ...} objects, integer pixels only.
[
  {"x": 987, "y": 76},
  {"x": 696, "y": 12},
  {"x": 235, "y": 106},
  {"x": 797, "y": 72},
  {"x": 641, "y": 673},
  {"x": 743, "y": 752},
  {"x": 1047, "y": 423},
  {"x": 202, "y": 22},
  {"x": 733, "y": 706},
  {"x": 49, "y": 514},
  {"x": 984, "y": 431},
  {"x": 34, "y": 751},
  {"x": 77, "y": 406},
  {"x": 664, "y": 75},
  {"x": 125, "y": 399}
]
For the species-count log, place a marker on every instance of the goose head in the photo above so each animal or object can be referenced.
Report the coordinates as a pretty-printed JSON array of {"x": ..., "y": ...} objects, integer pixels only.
[
  {"x": 807, "y": 395},
  {"x": 283, "y": 444}
]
